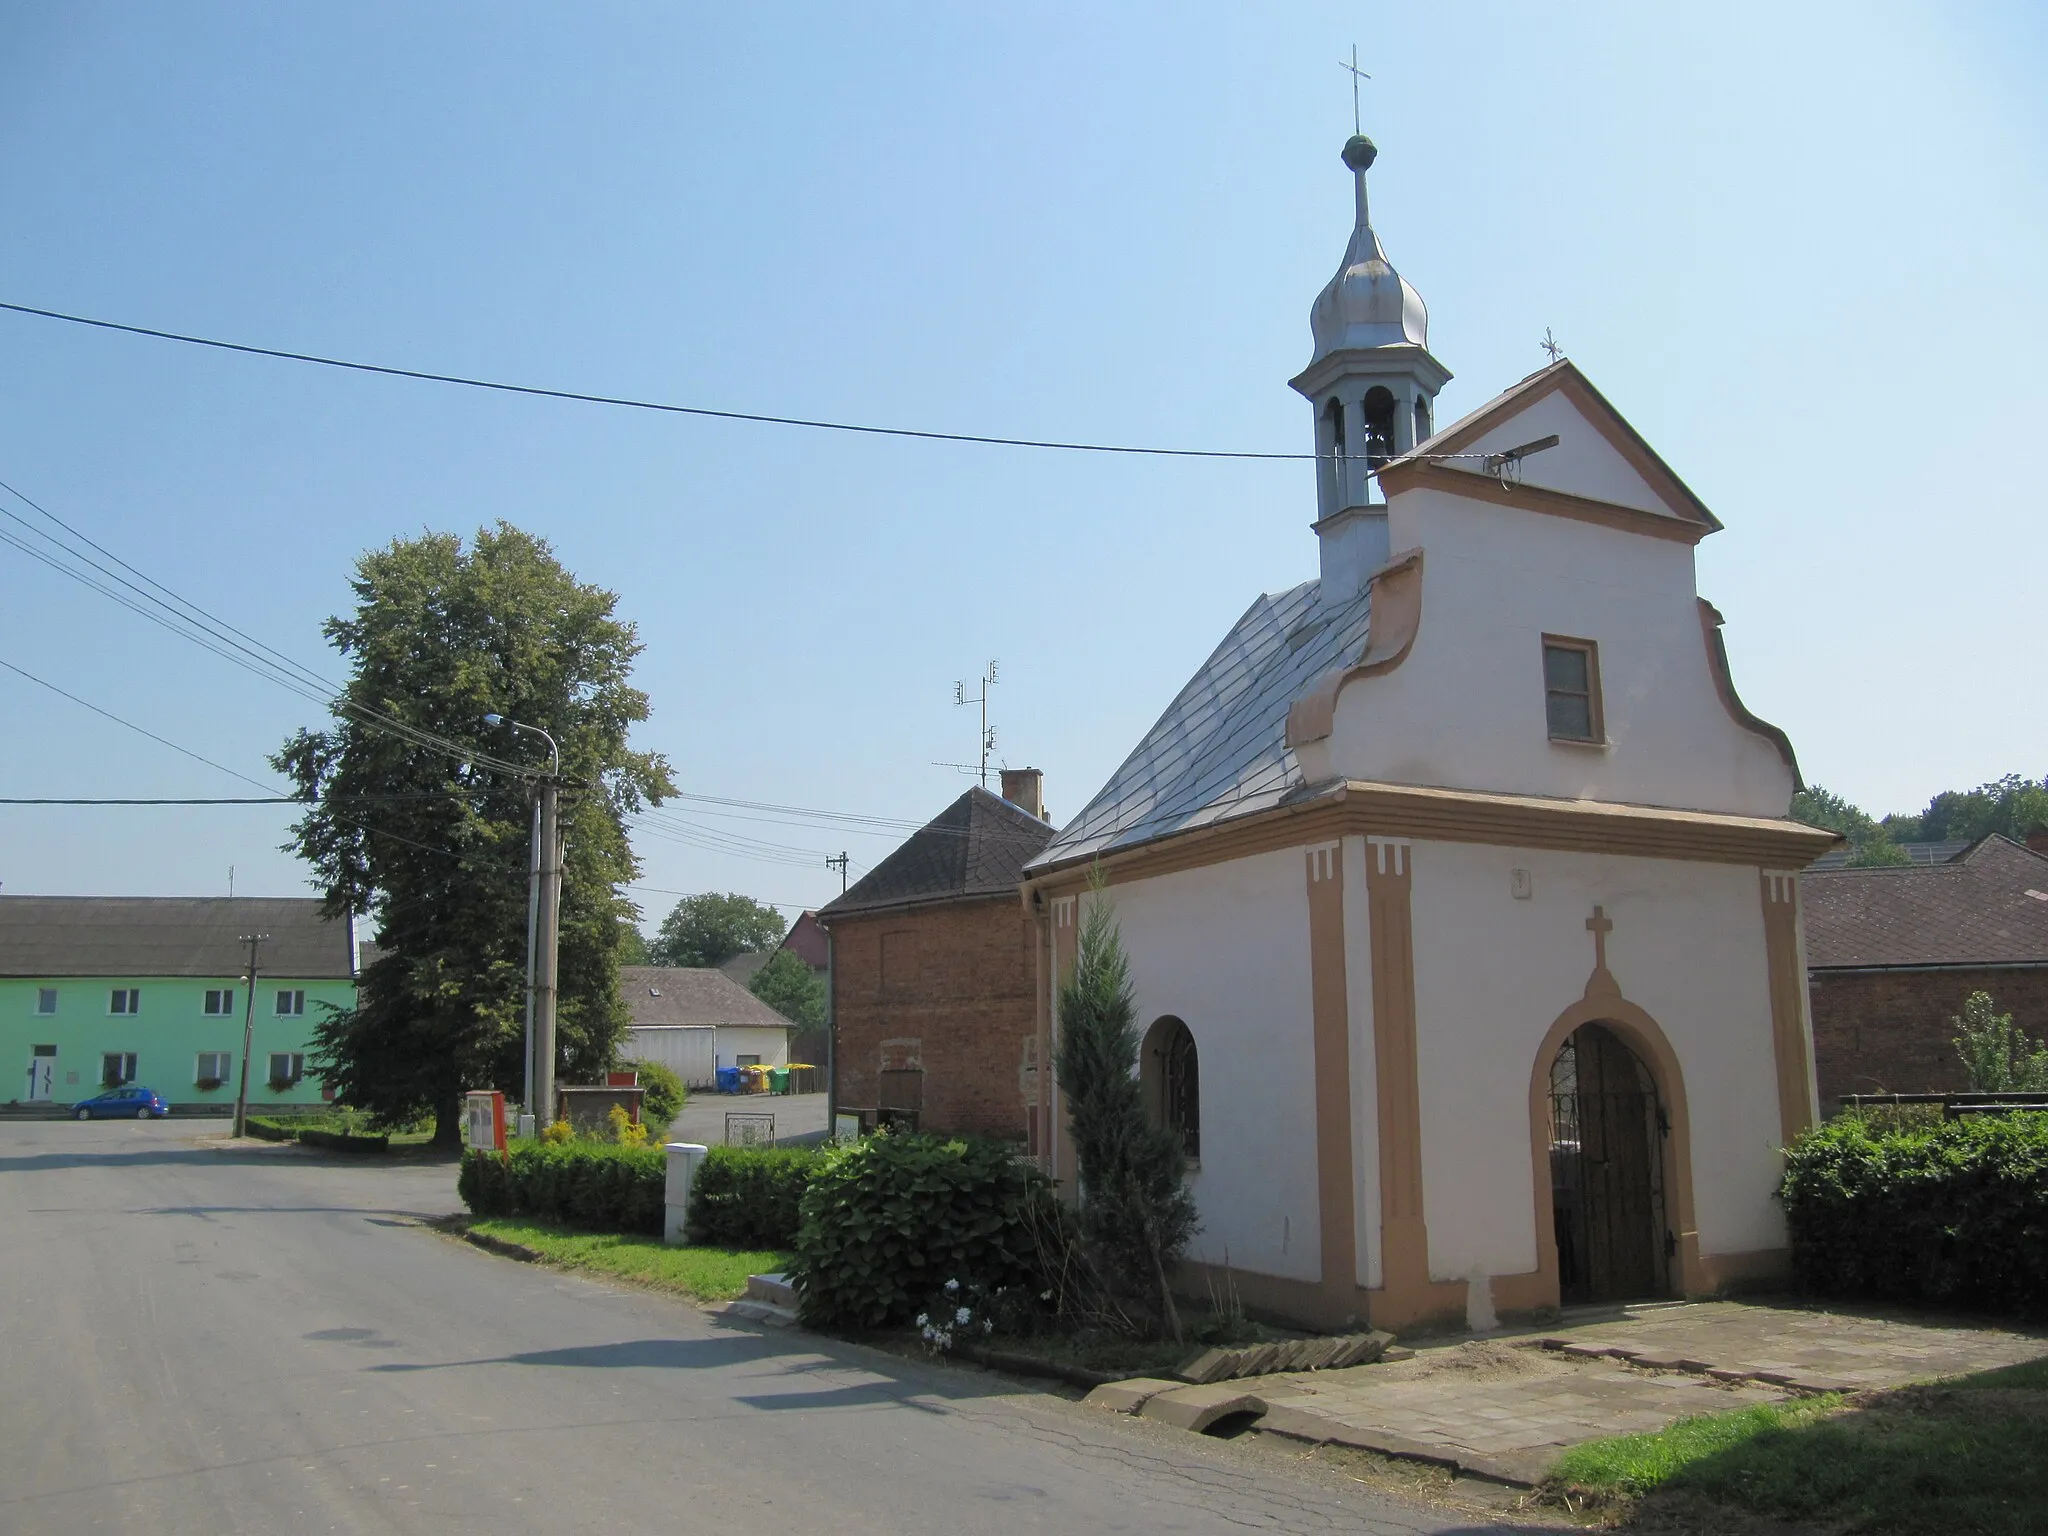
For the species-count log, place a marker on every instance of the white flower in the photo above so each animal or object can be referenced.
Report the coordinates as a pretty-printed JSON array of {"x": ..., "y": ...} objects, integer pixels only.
[
  {"x": 952, "y": 1286},
  {"x": 988, "y": 1325},
  {"x": 963, "y": 1316},
  {"x": 1045, "y": 1295},
  {"x": 923, "y": 1318}
]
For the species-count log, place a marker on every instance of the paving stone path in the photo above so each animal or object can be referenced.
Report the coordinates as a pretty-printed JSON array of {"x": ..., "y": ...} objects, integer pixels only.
[{"x": 1503, "y": 1407}]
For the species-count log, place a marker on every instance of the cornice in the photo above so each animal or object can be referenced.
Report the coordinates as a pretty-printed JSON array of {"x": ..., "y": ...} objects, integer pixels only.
[{"x": 1423, "y": 474}]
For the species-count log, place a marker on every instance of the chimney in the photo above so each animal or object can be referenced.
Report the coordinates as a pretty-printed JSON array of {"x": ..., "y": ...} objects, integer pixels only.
[{"x": 1025, "y": 789}]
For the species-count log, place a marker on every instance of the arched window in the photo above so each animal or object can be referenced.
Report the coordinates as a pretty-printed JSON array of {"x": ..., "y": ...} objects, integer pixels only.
[
  {"x": 1332, "y": 468},
  {"x": 1422, "y": 427},
  {"x": 1379, "y": 426},
  {"x": 1172, "y": 1077}
]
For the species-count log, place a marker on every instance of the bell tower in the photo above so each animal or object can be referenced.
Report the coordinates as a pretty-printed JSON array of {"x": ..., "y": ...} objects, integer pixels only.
[{"x": 1372, "y": 384}]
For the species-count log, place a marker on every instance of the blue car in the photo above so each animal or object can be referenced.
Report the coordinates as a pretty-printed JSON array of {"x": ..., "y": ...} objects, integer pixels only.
[{"x": 142, "y": 1103}]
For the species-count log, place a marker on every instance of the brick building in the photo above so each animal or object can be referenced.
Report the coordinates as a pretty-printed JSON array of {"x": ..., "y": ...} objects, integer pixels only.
[
  {"x": 1892, "y": 953},
  {"x": 934, "y": 982}
]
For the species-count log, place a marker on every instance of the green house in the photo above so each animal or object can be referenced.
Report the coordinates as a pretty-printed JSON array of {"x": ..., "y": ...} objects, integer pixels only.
[{"x": 98, "y": 991}]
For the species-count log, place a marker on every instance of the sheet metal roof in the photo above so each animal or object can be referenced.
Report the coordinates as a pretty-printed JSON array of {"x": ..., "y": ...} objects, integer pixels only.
[
  {"x": 1220, "y": 750},
  {"x": 977, "y": 846},
  {"x": 1989, "y": 907},
  {"x": 674, "y": 994},
  {"x": 53, "y": 936}
]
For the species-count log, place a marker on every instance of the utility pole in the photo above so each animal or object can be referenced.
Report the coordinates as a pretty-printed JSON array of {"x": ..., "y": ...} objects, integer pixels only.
[
  {"x": 838, "y": 863},
  {"x": 255, "y": 942},
  {"x": 528, "y": 1122},
  {"x": 543, "y": 929},
  {"x": 550, "y": 918}
]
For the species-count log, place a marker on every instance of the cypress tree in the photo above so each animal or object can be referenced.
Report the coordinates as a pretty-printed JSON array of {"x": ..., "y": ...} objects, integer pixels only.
[{"x": 1136, "y": 1216}]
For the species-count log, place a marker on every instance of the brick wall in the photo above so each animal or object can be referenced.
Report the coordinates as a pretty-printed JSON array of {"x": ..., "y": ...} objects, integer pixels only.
[
  {"x": 1889, "y": 1031},
  {"x": 932, "y": 1010}
]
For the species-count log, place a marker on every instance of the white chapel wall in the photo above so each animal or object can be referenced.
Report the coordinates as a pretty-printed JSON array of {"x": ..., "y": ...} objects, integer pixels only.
[
  {"x": 1224, "y": 948},
  {"x": 1583, "y": 463},
  {"x": 1492, "y": 973},
  {"x": 1465, "y": 709}
]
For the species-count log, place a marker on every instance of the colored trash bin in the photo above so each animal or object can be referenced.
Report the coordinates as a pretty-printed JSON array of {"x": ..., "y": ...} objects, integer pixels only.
[
  {"x": 754, "y": 1079},
  {"x": 728, "y": 1079},
  {"x": 778, "y": 1079}
]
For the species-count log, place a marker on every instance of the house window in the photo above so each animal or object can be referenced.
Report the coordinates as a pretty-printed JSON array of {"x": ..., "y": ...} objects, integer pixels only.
[
  {"x": 220, "y": 1000},
  {"x": 746, "y": 1061},
  {"x": 212, "y": 1069},
  {"x": 1172, "y": 1077},
  {"x": 1571, "y": 689},
  {"x": 46, "y": 999},
  {"x": 286, "y": 1068},
  {"x": 125, "y": 1000},
  {"x": 117, "y": 1069},
  {"x": 290, "y": 1002}
]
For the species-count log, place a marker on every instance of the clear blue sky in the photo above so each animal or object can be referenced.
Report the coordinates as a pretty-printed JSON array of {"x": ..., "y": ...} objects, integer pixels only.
[{"x": 1801, "y": 247}]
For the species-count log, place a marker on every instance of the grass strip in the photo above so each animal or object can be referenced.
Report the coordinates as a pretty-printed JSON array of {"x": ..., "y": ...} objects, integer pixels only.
[
  {"x": 1968, "y": 1454},
  {"x": 702, "y": 1274}
]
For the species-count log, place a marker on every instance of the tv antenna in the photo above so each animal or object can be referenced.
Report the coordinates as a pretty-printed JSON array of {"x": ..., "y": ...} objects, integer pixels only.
[
  {"x": 961, "y": 698},
  {"x": 1549, "y": 344}
]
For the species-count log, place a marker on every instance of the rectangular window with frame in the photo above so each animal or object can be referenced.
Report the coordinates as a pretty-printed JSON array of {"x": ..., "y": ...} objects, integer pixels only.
[
  {"x": 291, "y": 1001},
  {"x": 213, "y": 1068},
  {"x": 125, "y": 1000},
  {"x": 117, "y": 1069},
  {"x": 1571, "y": 689},
  {"x": 220, "y": 1001},
  {"x": 46, "y": 999},
  {"x": 287, "y": 1068}
]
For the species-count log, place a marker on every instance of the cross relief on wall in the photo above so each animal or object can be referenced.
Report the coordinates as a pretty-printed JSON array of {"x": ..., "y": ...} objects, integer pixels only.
[{"x": 1601, "y": 983}]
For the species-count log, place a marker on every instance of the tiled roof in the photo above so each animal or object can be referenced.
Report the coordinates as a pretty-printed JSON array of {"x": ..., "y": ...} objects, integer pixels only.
[
  {"x": 674, "y": 994},
  {"x": 1989, "y": 907},
  {"x": 1220, "y": 750},
  {"x": 52, "y": 936},
  {"x": 1919, "y": 853},
  {"x": 977, "y": 846}
]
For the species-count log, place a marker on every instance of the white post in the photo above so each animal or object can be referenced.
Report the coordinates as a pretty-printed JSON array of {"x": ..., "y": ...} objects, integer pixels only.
[{"x": 684, "y": 1159}]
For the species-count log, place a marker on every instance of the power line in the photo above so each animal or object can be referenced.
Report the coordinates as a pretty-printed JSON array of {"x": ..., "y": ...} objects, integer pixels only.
[
  {"x": 984, "y": 440},
  {"x": 214, "y": 634},
  {"x": 213, "y": 800}
]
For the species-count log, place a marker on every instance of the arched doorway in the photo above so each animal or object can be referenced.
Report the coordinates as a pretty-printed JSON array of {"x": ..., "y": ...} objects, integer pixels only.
[{"x": 1607, "y": 1131}]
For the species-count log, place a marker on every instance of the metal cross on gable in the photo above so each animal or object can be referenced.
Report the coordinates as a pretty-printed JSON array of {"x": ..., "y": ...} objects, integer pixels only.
[
  {"x": 1357, "y": 75},
  {"x": 1549, "y": 344}
]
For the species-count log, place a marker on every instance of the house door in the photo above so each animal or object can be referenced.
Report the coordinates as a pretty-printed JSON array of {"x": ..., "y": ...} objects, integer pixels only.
[
  {"x": 42, "y": 1072},
  {"x": 1607, "y": 1171}
]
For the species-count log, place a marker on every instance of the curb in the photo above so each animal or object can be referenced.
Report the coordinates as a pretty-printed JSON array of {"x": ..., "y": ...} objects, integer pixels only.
[
  {"x": 1029, "y": 1365},
  {"x": 502, "y": 1248}
]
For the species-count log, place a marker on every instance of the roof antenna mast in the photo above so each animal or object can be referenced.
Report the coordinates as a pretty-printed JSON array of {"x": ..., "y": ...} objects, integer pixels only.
[{"x": 988, "y": 732}]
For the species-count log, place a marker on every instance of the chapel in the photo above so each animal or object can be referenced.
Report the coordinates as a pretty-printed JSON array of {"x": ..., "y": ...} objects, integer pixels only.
[{"x": 1458, "y": 886}]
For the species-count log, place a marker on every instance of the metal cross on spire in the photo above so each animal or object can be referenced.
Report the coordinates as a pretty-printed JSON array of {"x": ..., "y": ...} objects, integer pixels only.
[
  {"x": 1549, "y": 344},
  {"x": 1357, "y": 75}
]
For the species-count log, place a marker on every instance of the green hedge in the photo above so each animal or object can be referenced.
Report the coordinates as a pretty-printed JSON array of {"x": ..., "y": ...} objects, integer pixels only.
[
  {"x": 594, "y": 1185},
  {"x": 749, "y": 1197},
  {"x": 889, "y": 1219},
  {"x": 269, "y": 1130},
  {"x": 1954, "y": 1214}
]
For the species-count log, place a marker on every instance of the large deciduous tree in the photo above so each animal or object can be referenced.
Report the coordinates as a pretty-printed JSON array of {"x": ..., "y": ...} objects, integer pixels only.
[
  {"x": 710, "y": 929},
  {"x": 434, "y": 844}
]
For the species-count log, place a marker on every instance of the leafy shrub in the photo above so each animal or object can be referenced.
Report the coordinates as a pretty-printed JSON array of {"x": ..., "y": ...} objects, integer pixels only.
[
  {"x": 269, "y": 1130},
  {"x": 1955, "y": 1214},
  {"x": 888, "y": 1219},
  {"x": 558, "y": 1133},
  {"x": 1999, "y": 1056},
  {"x": 620, "y": 1125},
  {"x": 594, "y": 1185},
  {"x": 662, "y": 1095},
  {"x": 749, "y": 1197}
]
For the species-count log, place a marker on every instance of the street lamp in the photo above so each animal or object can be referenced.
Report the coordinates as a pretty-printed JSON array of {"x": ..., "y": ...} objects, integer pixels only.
[{"x": 539, "y": 882}]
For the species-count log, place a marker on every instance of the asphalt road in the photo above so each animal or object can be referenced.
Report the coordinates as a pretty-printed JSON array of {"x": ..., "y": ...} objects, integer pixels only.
[{"x": 206, "y": 1340}]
